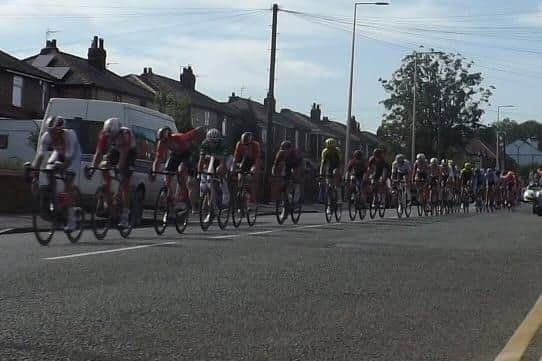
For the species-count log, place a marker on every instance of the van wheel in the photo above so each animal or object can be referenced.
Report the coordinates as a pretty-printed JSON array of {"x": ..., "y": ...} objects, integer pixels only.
[{"x": 137, "y": 207}]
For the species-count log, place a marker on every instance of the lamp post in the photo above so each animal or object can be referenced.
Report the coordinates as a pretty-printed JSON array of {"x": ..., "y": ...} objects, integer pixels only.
[
  {"x": 349, "y": 118},
  {"x": 501, "y": 137}
]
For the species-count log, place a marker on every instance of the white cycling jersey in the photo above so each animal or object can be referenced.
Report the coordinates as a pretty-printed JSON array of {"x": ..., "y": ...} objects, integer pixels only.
[
  {"x": 65, "y": 148},
  {"x": 404, "y": 168}
]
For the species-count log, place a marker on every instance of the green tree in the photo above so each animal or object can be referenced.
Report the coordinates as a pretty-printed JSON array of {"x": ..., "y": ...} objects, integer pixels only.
[
  {"x": 177, "y": 107},
  {"x": 449, "y": 103}
]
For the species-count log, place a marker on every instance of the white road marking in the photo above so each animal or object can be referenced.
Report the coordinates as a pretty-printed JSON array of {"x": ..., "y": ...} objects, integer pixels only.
[
  {"x": 6, "y": 230},
  {"x": 276, "y": 230},
  {"x": 108, "y": 251}
]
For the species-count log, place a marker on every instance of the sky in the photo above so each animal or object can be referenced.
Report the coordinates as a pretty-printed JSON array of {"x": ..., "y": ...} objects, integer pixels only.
[{"x": 227, "y": 43}]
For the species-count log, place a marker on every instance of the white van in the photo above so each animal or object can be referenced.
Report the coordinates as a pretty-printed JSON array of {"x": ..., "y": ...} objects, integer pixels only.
[{"x": 86, "y": 117}]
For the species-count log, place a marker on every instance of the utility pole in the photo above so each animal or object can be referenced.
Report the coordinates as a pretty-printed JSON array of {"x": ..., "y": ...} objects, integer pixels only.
[
  {"x": 413, "y": 141},
  {"x": 270, "y": 106}
]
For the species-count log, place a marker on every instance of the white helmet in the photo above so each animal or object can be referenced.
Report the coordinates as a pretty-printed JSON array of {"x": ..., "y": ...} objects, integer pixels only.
[
  {"x": 400, "y": 158},
  {"x": 420, "y": 157},
  {"x": 213, "y": 134},
  {"x": 434, "y": 161},
  {"x": 112, "y": 126}
]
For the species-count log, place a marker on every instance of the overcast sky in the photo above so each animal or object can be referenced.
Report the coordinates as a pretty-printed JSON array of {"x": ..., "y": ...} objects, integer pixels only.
[{"x": 227, "y": 44}]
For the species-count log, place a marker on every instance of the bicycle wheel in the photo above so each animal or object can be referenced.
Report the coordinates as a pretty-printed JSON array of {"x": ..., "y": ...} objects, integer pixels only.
[
  {"x": 281, "y": 207},
  {"x": 238, "y": 209},
  {"x": 373, "y": 206},
  {"x": 338, "y": 209},
  {"x": 134, "y": 205},
  {"x": 162, "y": 208},
  {"x": 382, "y": 205},
  {"x": 352, "y": 205},
  {"x": 223, "y": 216},
  {"x": 328, "y": 210},
  {"x": 407, "y": 206},
  {"x": 44, "y": 219},
  {"x": 79, "y": 215},
  {"x": 296, "y": 204},
  {"x": 205, "y": 211},
  {"x": 361, "y": 205},
  {"x": 400, "y": 203},
  {"x": 101, "y": 214},
  {"x": 182, "y": 217},
  {"x": 252, "y": 214}
]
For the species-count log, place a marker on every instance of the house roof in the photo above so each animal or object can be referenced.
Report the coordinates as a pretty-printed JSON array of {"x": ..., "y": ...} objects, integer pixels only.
[
  {"x": 160, "y": 83},
  {"x": 476, "y": 146},
  {"x": 300, "y": 120},
  {"x": 520, "y": 143},
  {"x": 69, "y": 69},
  {"x": 259, "y": 111},
  {"x": 11, "y": 63}
]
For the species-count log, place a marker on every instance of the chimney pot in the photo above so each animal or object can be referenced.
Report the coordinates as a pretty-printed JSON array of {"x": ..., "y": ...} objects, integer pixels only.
[
  {"x": 101, "y": 43},
  {"x": 145, "y": 70},
  {"x": 149, "y": 70}
]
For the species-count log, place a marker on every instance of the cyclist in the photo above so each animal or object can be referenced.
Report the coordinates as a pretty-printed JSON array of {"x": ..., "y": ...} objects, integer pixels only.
[
  {"x": 466, "y": 176},
  {"x": 419, "y": 174},
  {"x": 479, "y": 181},
  {"x": 378, "y": 168},
  {"x": 247, "y": 159},
  {"x": 330, "y": 164},
  {"x": 510, "y": 183},
  {"x": 289, "y": 158},
  {"x": 490, "y": 185},
  {"x": 65, "y": 156},
  {"x": 214, "y": 146},
  {"x": 180, "y": 159},
  {"x": 116, "y": 147},
  {"x": 435, "y": 176},
  {"x": 401, "y": 169},
  {"x": 356, "y": 171}
]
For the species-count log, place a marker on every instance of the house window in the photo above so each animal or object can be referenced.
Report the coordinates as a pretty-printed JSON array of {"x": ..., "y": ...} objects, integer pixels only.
[
  {"x": 207, "y": 118},
  {"x": 117, "y": 98},
  {"x": 17, "y": 94},
  {"x": 3, "y": 141}
]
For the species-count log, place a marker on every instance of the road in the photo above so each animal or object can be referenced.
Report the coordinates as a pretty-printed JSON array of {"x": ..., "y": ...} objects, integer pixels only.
[{"x": 435, "y": 288}]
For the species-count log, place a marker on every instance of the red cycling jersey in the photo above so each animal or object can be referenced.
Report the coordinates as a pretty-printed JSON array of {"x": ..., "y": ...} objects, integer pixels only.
[
  {"x": 178, "y": 143},
  {"x": 124, "y": 141},
  {"x": 356, "y": 166},
  {"x": 509, "y": 178},
  {"x": 250, "y": 150},
  {"x": 291, "y": 156}
]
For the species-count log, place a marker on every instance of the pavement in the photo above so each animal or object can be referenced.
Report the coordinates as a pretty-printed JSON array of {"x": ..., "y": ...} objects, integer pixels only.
[{"x": 461, "y": 287}]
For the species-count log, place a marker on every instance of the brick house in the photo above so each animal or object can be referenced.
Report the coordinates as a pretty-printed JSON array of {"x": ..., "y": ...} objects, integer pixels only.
[
  {"x": 202, "y": 109},
  {"x": 87, "y": 78},
  {"x": 24, "y": 89}
]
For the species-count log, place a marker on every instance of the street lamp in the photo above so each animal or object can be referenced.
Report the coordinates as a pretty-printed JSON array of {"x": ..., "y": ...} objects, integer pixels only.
[
  {"x": 499, "y": 144},
  {"x": 349, "y": 119}
]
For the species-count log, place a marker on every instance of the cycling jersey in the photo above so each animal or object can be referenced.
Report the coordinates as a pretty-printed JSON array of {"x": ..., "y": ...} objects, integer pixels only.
[
  {"x": 122, "y": 144},
  {"x": 247, "y": 155},
  {"x": 332, "y": 158},
  {"x": 420, "y": 171},
  {"x": 378, "y": 167},
  {"x": 490, "y": 178},
  {"x": 217, "y": 148},
  {"x": 466, "y": 175},
  {"x": 401, "y": 169},
  {"x": 64, "y": 148},
  {"x": 357, "y": 167},
  {"x": 434, "y": 173},
  {"x": 178, "y": 143}
]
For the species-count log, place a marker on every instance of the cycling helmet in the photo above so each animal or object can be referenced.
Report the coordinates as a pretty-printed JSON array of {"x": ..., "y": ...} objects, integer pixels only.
[
  {"x": 377, "y": 152},
  {"x": 112, "y": 126},
  {"x": 246, "y": 137},
  {"x": 330, "y": 143},
  {"x": 420, "y": 157},
  {"x": 400, "y": 158},
  {"x": 163, "y": 134},
  {"x": 434, "y": 161},
  {"x": 285, "y": 145},
  {"x": 358, "y": 154},
  {"x": 451, "y": 163},
  {"x": 443, "y": 162},
  {"x": 213, "y": 134},
  {"x": 55, "y": 123},
  {"x": 468, "y": 166},
  {"x": 489, "y": 170}
]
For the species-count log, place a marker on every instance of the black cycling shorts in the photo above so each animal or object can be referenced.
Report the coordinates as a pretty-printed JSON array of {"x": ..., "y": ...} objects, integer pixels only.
[
  {"x": 175, "y": 160},
  {"x": 113, "y": 157}
]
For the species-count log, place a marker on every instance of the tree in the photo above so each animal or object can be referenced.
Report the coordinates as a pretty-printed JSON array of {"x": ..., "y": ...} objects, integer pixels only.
[
  {"x": 177, "y": 107},
  {"x": 449, "y": 103}
]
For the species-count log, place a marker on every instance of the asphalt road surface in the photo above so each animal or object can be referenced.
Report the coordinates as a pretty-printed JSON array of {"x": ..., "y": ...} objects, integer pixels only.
[{"x": 462, "y": 287}]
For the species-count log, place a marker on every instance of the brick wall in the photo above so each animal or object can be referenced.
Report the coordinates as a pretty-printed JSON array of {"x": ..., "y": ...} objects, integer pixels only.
[{"x": 31, "y": 97}]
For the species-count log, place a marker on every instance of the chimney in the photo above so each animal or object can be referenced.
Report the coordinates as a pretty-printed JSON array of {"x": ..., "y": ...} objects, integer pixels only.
[
  {"x": 149, "y": 70},
  {"x": 50, "y": 46},
  {"x": 232, "y": 97},
  {"x": 97, "y": 54},
  {"x": 316, "y": 113},
  {"x": 188, "y": 79},
  {"x": 144, "y": 70}
]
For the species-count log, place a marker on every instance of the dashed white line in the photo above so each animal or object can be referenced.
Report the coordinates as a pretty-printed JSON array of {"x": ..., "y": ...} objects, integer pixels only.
[{"x": 108, "y": 251}]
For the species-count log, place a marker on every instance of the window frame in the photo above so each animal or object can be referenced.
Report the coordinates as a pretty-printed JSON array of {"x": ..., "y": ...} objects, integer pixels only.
[
  {"x": 19, "y": 87},
  {"x": 4, "y": 141}
]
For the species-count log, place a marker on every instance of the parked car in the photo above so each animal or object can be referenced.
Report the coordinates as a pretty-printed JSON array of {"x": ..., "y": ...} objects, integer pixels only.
[
  {"x": 86, "y": 117},
  {"x": 529, "y": 192}
]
